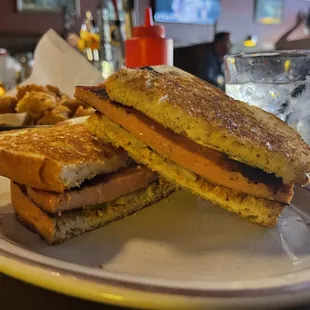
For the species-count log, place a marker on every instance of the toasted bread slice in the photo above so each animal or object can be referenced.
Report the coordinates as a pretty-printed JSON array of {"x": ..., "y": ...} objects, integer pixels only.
[
  {"x": 207, "y": 163},
  {"x": 58, "y": 228},
  {"x": 203, "y": 113},
  {"x": 56, "y": 158},
  {"x": 262, "y": 211}
]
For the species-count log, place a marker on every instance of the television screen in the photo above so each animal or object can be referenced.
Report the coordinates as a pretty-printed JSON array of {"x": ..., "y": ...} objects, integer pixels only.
[
  {"x": 269, "y": 11},
  {"x": 187, "y": 11}
]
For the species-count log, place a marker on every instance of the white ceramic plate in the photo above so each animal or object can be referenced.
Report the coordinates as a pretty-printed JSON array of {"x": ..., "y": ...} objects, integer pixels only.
[{"x": 179, "y": 253}]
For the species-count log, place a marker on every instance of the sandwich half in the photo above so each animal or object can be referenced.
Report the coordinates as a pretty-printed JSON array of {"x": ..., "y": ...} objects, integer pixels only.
[
  {"x": 232, "y": 154},
  {"x": 65, "y": 182},
  {"x": 60, "y": 226}
]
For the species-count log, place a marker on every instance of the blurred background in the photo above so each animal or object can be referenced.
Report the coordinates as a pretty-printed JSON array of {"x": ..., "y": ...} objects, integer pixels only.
[{"x": 244, "y": 26}]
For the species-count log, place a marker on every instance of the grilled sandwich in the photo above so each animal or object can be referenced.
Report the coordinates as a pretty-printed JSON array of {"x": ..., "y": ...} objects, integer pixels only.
[
  {"x": 235, "y": 155},
  {"x": 65, "y": 182}
]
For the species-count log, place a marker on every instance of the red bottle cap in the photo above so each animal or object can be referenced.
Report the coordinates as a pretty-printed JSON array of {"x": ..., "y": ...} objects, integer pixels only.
[{"x": 149, "y": 29}]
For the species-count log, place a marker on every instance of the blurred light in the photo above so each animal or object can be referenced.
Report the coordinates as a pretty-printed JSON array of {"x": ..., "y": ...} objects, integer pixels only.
[
  {"x": 270, "y": 20},
  {"x": 89, "y": 54},
  {"x": 112, "y": 296},
  {"x": 220, "y": 80},
  {"x": 250, "y": 41},
  {"x": 96, "y": 55},
  {"x": 287, "y": 65},
  {"x": 106, "y": 69},
  {"x": 273, "y": 94},
  {"x": 89, "y": 15},
  {"x": 3, "y": 51},
  {"x": 232, "y": 60},
  {"x": 2, "y": 90}
]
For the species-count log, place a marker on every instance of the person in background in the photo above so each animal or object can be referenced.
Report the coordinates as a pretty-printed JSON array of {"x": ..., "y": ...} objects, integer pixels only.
[
  {"x": 284, "y": 44},
  {"x": 211, "y": 69}
]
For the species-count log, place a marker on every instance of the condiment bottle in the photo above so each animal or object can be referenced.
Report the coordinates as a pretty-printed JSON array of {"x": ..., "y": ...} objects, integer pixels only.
[{"x": 148, "y": 45}]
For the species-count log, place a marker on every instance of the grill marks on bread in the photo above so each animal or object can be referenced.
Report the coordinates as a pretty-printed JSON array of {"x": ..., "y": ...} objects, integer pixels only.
[
  {"x": 206, "y": 115},
  {"x": 209, "y": 164}
]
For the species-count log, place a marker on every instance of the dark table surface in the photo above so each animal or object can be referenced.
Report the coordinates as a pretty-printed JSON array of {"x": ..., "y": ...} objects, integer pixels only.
[{"x": 15, "y": 294}]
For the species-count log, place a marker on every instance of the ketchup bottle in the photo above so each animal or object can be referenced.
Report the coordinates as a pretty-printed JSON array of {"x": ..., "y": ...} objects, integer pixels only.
[{"x": 148, "y": 46}]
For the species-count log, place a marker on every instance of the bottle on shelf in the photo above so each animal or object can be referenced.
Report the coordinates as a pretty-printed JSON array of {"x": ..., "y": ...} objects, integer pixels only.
[{"x": 90, "y": 40}]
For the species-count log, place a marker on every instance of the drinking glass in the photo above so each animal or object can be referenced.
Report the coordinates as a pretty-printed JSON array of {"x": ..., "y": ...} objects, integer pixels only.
[{"x": 278, "y": 82}]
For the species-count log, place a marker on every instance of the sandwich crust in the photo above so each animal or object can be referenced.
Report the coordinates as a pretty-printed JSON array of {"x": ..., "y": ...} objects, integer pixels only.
[
  {"x": 204, "y": 114},
  {"x": 52, "y": 158},
  {"x": 261, "y": 211}
]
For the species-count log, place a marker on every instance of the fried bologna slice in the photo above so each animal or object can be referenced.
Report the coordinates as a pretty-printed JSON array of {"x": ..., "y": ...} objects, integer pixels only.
[{"x": 58, "y": 228}]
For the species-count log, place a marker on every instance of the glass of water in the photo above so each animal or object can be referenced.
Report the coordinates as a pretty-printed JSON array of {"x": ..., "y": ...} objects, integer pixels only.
[{"x": 278, "y": 82}]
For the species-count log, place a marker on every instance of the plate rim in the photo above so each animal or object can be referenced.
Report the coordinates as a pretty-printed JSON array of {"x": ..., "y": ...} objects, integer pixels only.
[
  {"x": 50, "y": 278},
  {"x": 295, "y": 282},
  {"x": 301, "y": 277},
  {"x": 75, "y": 286}
]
